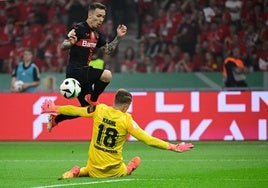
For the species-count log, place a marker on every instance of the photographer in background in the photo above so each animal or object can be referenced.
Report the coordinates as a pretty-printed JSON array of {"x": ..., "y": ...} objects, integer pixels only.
[{"x": 234, "y": 70}]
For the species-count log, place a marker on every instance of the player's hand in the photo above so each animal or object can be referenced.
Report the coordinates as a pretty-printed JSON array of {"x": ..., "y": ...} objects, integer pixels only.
[
  {"x": 121, "y": 30},
  {"x": 48, "y": 106},
  {"x": 181, "y": 147},
  {"x": 72, "y": 36}
]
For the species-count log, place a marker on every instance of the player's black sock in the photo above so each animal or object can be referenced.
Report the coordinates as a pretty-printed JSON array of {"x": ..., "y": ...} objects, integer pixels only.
[
  {"x": 59, "y": 118},
  {"x": 99, "y": 87}
]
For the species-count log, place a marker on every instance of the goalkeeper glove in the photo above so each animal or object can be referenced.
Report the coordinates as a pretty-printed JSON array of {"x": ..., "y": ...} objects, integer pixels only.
[
  {"x": 48, "y": 106},
  {"x": 180, "y": 147}
]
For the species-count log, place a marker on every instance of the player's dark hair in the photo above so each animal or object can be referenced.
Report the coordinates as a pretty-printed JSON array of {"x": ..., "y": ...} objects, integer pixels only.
[
  {"x": 96, "y": 5},
  {"x": 123, "y": 97}
]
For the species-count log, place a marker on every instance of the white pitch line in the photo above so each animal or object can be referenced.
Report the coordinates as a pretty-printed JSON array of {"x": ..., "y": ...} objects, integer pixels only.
[
  {"x": 208, "y": 81},
  {"x": 84, "y": 183},
  {"x": 154, "y": 179}
]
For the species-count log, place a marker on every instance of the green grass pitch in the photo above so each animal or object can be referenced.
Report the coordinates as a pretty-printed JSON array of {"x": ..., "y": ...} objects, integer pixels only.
[{"x": 231, "y": 164}]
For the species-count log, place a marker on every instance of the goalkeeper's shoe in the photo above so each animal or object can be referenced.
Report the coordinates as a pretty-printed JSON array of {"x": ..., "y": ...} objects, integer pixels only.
[
  {"x": 74, "y": 172},
  {"x": 51, "y": 122},
  {"x": 133, "y": 164}
]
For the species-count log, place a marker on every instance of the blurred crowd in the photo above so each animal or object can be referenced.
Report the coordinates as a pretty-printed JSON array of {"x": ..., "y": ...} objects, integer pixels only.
[{"x": 172, "y": 35}]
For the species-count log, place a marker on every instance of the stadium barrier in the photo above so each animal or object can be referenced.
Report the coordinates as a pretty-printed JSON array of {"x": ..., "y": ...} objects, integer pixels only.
[
  {"x": 159, "y": 81},
  {"x": 169, "y": 115}
]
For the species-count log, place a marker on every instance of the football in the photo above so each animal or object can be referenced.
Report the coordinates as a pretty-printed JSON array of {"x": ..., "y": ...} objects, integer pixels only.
[
  {"x": 18, "y": 85},
  {"x": 70, "y": 88}
]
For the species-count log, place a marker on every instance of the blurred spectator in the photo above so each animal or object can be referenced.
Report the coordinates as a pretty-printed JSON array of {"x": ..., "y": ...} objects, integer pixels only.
[
  {"x": 175, "y": 51},
  {"x": 108, "y": 29},
  {"x": 146, "y": 66},
  {"x": 234, "y": 7},
  {"x": 35, "y": 26},
  {"x": 29, "y": 40},
  {"x": 198, "y": 58},
  {"x": 167, "y": 65},
  {"x": 159, "y": 21},
  {"x": 214, "y": 40},
  {"x": 12, "y": 10},
  {"x": 6, "y": 45},
  {"x": 122, "y": 11},
  {"x": 210, "y": 63},
  {"x": 159, "y": 57},
  {"x": 143, "y": 7},
  {"x": 57, "y": 8},
  {"x": 61, "y": 55},
  {"x": 262, "y": 57},
  {"x": 183, "y": 65},
  {"x": 15, "y": 55},
  {"x": 40, "y": 10},
  {"x": 172, "y": 21},
  {"x": 225, "y": 25},
  {"x": 77, "y": 11},
  {"x": 47, "y": 45},
  {"x": 129, "y": 62},
  {"x": 57, "y": 26},
  {"x": 209, "y": 11},
  {"x": 109, "y": 32},
  {"x": 187, "y": 34},
  {"x": 153, "y": 45},
  {"x": 24, "y": 9},
  {"x": 148, "y": 25},
  {"x": 250, "y": 36},
  {"x": 230, "y": 40},
  {"x": 141, "y": 53},
  {"x": 49, "y": 62}
]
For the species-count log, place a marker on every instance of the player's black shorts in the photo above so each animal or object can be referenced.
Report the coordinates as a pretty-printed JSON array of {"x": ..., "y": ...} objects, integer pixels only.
[{"x": 86, "y": 76}]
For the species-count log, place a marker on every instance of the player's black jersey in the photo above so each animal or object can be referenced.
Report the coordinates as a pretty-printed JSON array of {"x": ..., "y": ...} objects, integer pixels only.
[{"x": 87, "y": 40}]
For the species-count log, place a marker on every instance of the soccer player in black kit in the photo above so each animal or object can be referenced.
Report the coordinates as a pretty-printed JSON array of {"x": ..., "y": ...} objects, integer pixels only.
[{"x": 82, "y": 39}]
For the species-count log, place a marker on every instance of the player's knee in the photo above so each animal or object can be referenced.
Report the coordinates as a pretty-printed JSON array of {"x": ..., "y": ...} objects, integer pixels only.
[{"x": 106, "y": 76}]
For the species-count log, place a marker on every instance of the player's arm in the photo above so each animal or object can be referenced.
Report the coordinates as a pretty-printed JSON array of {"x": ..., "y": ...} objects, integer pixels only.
[
  {"x": 68, "y": 43},
  {"x": 144, "y": 137},
  {"x": 110, "y": 47},
  {"x": 48, "y": 106}
]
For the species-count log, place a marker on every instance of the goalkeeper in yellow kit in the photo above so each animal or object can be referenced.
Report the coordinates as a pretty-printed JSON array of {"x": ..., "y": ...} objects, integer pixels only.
[{"x": 111, "y": 126}]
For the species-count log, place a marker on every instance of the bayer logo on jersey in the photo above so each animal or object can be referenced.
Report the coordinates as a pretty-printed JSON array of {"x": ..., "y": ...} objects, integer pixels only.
[{"x": 70, "y": 88}]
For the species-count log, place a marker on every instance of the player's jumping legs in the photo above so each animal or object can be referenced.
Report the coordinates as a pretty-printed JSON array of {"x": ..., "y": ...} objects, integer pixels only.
[{"x": 100, "y": 85}]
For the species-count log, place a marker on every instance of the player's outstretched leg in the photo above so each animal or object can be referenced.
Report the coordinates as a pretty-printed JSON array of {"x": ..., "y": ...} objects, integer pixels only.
[
  {"x": 88, "y": 99},
  {"x": 51, "y": 122},
  {"x": 133, "y": 164},
  {"x": 74, "y": 172}
]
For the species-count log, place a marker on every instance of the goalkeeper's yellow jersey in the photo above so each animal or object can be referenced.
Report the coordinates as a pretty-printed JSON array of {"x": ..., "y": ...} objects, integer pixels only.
[{"x": 110, "y": 130}]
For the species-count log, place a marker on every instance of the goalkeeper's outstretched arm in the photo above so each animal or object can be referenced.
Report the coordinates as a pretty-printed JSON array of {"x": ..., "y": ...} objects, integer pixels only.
[{"x": 144, "y": 137}]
